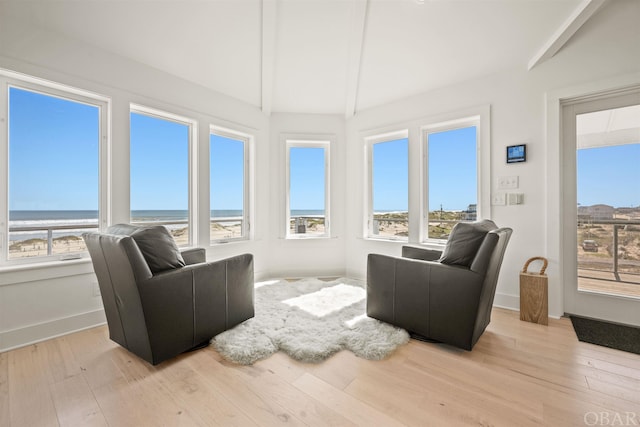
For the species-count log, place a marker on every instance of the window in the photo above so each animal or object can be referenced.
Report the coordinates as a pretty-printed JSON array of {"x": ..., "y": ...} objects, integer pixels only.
[
  {"x": 55, "y": 142},
  {"x": 388, "y": 212},
  {"x": 307, "y": 189},
  {"x": 160, "y": 180},
  {"x": 229, "y": 185},
  {"x": 451, "y": 169},
  {"x": 607, "y": 143}
]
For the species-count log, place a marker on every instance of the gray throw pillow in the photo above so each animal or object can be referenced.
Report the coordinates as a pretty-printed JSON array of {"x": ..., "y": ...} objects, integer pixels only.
[
  {"x": 464, "y": 241},
  {"x": 158, "y": 248}
]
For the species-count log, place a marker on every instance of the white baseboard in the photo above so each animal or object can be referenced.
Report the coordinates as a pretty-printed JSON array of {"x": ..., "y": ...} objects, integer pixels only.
[
  {"x": 28, "y": 335},
  {"x": 510, "y": 302},
  {"x": 291, "y": 273}
]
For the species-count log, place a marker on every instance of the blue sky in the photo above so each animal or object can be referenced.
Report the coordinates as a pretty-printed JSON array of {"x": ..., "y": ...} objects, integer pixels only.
[
  {"x": 609, "y": 175},
  {"x": 452, "y": 169},
  {"x": 53, "y": 155},
  {"x": 390, "y": 175},
  {"x": 306, "y": 178},
  {"x": 159, "y": 164},
  {"x": 452, "y": 172},
  {"x": 227, "y": 173}
]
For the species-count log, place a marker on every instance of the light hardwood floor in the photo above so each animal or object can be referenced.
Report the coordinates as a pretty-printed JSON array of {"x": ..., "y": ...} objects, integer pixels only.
[{"x": 519, "y": 373}]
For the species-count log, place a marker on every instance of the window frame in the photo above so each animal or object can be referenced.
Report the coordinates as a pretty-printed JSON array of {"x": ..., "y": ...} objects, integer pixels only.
[
  {"x": 370, "y": 141},
  {"x": 248, "y": 142},
  {"x": 479, "y": 118},
  {"x": 304, "y": 142},
  {"x": 192, "y": 124},
  {"x": 10, "y": 79}
]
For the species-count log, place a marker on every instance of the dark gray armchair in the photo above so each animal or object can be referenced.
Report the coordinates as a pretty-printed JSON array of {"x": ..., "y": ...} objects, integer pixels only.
[
  {"x": 160, "y": 302},
  {"x": 440, "y": 296}
]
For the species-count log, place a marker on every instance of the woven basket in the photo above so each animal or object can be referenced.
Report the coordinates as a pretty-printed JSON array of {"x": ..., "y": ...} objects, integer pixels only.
[{"x": 534, "y": 293}]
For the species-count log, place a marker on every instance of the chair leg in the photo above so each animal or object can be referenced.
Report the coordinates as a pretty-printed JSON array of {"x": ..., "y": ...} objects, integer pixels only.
[
  {"x": 198, "y": 346},
  {"x": 422, "y": 338}
]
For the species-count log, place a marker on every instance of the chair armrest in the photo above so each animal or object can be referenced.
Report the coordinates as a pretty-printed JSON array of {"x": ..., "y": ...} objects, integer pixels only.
[
  {"x": 420, "y": 253},
  {"x": 221, "y": 293},
  {"x": 194, "y": 255},
  {"x": 167, "y": 303},
  {"x": 455, "y": 299},
  {"x": 230, "y": 280},
  {"x": 189, "y": 305}
]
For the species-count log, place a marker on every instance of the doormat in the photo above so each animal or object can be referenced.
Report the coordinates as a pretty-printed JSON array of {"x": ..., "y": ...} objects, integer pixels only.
[{"x": 606, "y": 334}]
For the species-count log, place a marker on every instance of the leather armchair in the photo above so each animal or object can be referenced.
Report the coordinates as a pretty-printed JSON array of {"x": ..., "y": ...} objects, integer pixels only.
[
  {"x": 158, "y": 315},
  {"x": 441, "y": 302}
]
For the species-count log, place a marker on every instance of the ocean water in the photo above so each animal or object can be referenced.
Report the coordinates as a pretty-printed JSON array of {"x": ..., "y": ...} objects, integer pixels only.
[
  {"x": 41, "y": 218},
  {"x": 48, "y": 218}
]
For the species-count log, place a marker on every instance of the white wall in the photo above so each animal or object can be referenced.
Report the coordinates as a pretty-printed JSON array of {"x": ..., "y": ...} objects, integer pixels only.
[
  {"x": 607, "y": 46},
  {"x": 308, "y": 256},
  {"x": 36, "y": 303}
]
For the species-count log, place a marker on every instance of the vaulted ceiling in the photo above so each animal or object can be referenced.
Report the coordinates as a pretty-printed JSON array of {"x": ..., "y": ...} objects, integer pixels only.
[{"x": 318, "y": 56}]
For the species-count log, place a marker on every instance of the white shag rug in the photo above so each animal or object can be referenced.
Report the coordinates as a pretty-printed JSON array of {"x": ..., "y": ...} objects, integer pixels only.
[{"x": 309, "y": 319}]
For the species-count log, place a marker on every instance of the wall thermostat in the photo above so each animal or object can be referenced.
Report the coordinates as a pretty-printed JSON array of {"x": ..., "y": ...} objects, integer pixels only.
[{"x": 517, "y": 153}]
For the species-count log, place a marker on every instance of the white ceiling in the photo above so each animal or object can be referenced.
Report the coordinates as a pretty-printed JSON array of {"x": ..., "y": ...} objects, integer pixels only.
[
  {"x": 312, "y": 56},
  {"x": 616, "y": 126}
]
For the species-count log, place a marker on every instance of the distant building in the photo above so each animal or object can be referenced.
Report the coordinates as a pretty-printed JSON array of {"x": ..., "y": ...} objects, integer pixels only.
[
  {"x": 629, "y": 211},
  {"x": 595, "y": 212},
  {"x": 471, "y": 214}
]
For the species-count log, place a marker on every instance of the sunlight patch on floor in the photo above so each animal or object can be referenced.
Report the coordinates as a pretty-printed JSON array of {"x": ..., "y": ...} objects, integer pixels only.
[
  {"x": 328, "y": 300},
  {"x": 351, "y": 323}
]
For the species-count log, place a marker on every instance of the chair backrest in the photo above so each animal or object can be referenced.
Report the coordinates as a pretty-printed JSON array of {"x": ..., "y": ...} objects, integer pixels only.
[
  {"x": 119, "y": 266},
  {"x": 122, "y": 229},
  {"x": 491, "y": 254}
]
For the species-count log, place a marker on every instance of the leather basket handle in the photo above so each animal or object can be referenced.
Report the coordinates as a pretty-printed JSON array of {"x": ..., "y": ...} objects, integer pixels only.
[{"x": 536, "y": 258}]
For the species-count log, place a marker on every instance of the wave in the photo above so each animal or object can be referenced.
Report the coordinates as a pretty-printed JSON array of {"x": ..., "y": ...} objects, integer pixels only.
[
  {"x": 84, "y": 218},
  {"x": 52, "y": 222}
]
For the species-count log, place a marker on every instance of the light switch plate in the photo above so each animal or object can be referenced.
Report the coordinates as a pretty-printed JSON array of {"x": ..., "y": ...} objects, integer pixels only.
[
  {"x": 515, "y": 198},
  {"x": 508, "y": 182},
  {"x": 498, "y": 199}
]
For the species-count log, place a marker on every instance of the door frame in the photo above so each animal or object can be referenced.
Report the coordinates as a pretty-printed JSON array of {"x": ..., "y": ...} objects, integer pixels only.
[{"x": 564, "y": 298}]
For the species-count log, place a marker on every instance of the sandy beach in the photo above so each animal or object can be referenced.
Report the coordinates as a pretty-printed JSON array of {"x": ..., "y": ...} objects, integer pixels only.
[
  {"x": 70, "y": 244},
  {"x": 393, "y": 225},
  {"x": 38, "y": 247}
]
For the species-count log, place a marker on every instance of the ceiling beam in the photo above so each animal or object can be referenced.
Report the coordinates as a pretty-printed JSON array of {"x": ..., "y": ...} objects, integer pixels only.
[
  {"x": 269, "y": 27},
  {"x": 580, "y": 15},
  {"x": 354, "y": 58}
]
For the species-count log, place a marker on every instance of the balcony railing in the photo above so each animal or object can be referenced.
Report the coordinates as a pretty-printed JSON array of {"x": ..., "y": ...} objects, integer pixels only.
[
  {"x": 40, "y": 239},
  {"x": 222, "y": 228},
  {"x": 616, "y": 249},
  {"x": 397, "y": 226},
  {"x": 225, "y": 228},
  {"x": 48, "y": 231},
  {"x": 312, "y": 225}
]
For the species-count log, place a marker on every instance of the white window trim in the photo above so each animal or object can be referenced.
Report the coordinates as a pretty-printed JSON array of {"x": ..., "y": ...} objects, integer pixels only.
[
  {"x": 480, "y": 118},
  {"x": 368, "y": 194},
  {"x": 193, "y": 161},
  {"x": 22, "y": 81},
  {"x": 248, "y": 143},
  {"x": 309, "y": 143}
]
